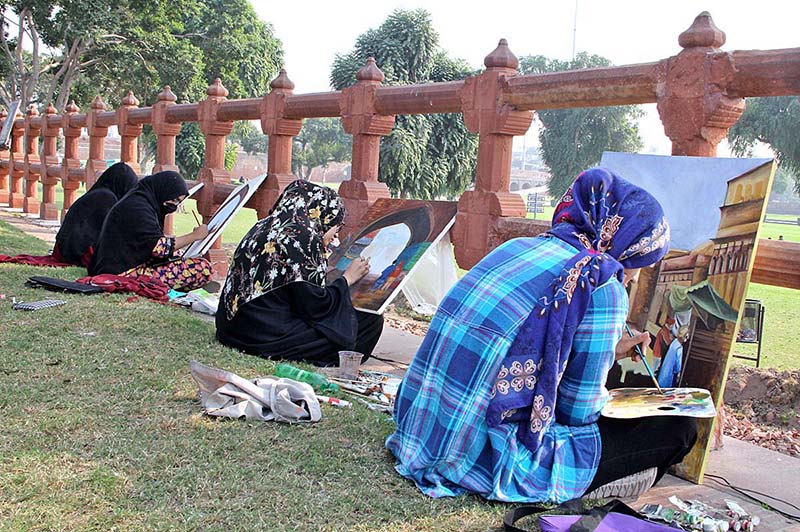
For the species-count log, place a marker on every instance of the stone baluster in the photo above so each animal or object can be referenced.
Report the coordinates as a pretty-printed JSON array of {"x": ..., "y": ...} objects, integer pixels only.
[
  {"x": 362, "y": 121},
  {"x": 694, "y": 106},
  {"x": 71, "y": 173},
  {"x": 17, "y": 162},
  {"x": 33, "y": 128},
  {"x": 96, "y": 163},
  {"x": 166, "y": 132},
  {"x": 129, "y": 147},
  {"x": 5, "y": 165},
  {"x": 497, "y": 125},
  {"x": 281, "y": 133},
  {"x": 51, "y": 125},
  {"x": 213, "y": 171}
]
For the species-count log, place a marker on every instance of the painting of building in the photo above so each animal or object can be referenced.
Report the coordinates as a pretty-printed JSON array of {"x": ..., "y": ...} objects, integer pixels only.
[
  {"x": 691, "y": 300},
  {"x": 395, "y": 234}
]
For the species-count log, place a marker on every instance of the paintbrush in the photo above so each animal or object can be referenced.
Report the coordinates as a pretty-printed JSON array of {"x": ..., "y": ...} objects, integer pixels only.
[
  {"x": 644, "y": 360},
  {"x": 196, "y": 219}
]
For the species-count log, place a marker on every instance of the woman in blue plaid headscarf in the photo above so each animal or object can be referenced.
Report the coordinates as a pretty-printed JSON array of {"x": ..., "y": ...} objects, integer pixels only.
[{"x": 504, "y": 395}]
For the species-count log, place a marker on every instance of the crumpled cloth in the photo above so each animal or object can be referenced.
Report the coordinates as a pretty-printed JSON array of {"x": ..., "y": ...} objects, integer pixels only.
[
  {"x": 149, "y": 287},
  {"x": 226, "y": 394}
]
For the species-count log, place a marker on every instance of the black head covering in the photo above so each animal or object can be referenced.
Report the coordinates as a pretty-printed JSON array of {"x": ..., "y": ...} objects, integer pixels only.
[
  {"x": 84, "y": 219},
  {"x": 134, "y": 225},
  {"x": 284, "y": 247}
]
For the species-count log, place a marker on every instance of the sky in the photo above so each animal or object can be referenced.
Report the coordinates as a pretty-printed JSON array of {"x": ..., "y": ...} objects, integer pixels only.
[{"x": 624, "y": 31}]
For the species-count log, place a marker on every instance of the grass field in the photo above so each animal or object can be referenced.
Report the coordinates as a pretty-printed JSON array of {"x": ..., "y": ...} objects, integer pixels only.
[{"x": 102, "y": 430}]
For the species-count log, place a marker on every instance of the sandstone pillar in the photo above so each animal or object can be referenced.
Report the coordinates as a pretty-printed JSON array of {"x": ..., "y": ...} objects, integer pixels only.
[
  {"x": 51, "y": 124},
  {"x": 496, "y": 124}
]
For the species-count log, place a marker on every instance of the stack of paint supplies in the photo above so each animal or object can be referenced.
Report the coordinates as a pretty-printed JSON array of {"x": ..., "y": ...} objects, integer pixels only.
[{"x": 695, "y": 516}]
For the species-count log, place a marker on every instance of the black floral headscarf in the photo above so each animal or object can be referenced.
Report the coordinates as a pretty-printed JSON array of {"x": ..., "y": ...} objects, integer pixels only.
[{"x": 284, "y": 247}]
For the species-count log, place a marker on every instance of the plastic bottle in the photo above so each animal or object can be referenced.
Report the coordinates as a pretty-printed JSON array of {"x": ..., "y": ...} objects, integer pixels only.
[{"x": 314, "y": 379}]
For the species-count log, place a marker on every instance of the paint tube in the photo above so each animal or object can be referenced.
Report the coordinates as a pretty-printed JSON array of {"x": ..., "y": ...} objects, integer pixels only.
[{"x": 341, "y": 403}]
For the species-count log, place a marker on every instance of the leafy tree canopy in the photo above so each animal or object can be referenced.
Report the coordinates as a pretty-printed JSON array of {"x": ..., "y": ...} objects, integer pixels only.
[
  {"x": 425, "y": 156},
  {"x": 772, "y": 121},
  {"x": 81, "y": 48},
  {"x": 574, "y": 139}
]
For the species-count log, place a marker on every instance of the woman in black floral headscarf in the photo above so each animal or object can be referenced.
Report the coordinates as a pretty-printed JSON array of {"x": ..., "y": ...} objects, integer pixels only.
[{"x": 276, "y": 302}]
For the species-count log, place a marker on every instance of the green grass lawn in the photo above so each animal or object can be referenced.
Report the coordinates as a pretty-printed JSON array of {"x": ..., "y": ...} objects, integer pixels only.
[
  {"x": 781, "y": 344},
  {"x": 102, "y": 430}
]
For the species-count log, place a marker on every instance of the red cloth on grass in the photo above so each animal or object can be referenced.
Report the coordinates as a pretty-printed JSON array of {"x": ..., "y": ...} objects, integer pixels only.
[
  {"x": 55, "y": 260},
  {"x": 149, "y": 287}
]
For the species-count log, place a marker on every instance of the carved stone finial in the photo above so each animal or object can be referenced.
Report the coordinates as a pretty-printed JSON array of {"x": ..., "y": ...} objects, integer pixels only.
[
  {"x": 32, "y": 110},
  {"x": 702, "y": 33},
  {"x": 501, "y": 57},
  {"x": 282, "y": 81},
  {"x": 98, "y": 103},
  {"x": 51, "y": 109},
  {"x": 166, "y": 95},
  {"x": 370, "y": 72},
  {"x": 217, "y": 89},
  {"x": 130, "y": 100},
  {"x": 71, "y": 107}
]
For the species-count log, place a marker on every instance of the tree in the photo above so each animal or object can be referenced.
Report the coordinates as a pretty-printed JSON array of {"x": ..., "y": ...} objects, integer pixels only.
[
  {"x": 82, "y": 48},
  {"x": 425, "y": 156},
  {"x": 574, "y": 139},
  {"x": 772, "y": 121},
  {"x": 320, "y": 142}
]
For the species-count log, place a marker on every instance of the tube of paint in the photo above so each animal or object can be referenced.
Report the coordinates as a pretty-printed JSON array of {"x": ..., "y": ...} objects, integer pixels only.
[{"x": 334, "y": 401}]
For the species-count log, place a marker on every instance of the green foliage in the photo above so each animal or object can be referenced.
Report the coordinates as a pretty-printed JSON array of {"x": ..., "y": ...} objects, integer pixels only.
[
  {"x": 249, "y": 137},
  {"x": 320, "y": 142},
  {"x": 772, "y": 121},
  {"x": 574, "y": 139},
  {"x": 91, "y": 47},
  {"x": 190, "y": 146},
  {"x": 425, "y": 156}
]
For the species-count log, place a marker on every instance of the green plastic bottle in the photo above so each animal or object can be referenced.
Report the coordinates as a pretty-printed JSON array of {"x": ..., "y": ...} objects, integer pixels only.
[{"x": 319, "y": 382}]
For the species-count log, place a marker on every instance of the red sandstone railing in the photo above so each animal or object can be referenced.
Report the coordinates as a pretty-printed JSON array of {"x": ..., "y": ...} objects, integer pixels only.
[{"x": 699, "y": 95}]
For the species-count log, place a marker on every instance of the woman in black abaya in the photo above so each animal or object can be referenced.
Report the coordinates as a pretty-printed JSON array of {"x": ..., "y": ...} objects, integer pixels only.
[
  {"x": 132, "y": 242},
  {"x": 276, "y": 302},
  {"x": 77, "y": 238}
]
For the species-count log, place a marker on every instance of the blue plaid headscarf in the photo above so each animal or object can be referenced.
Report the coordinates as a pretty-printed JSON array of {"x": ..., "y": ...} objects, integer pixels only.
[{"x": 615, "y": 225}]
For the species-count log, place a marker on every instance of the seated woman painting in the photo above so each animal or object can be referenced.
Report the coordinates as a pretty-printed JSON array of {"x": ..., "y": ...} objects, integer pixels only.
[
  {"x": 504, "y": 395},
  {"x": 276, "y": 302},
  {"x": 80, "y": 230},
  {"x": 132, "y": 242}
]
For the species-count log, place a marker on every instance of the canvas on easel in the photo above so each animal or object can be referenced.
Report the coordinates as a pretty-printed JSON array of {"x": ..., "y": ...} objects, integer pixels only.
[
  {"x": 691, "y": 300},
  {"x": 8, "y": 124},
  {"x": 395, "y": 236},
  {"x": 235, "y": 201}
]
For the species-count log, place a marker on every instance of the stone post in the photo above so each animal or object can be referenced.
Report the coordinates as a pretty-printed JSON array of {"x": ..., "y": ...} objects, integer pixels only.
[
  {"x": 213, "y": 171},
  {"x": 50, "y": 127},
  {"x": 281, "y": 133},
  {"x": 360, "y": 119},
  {"x": 17, "y": 163},
  {"x": 5, "y": 165},
  {"x": 33, "y": 128},
  {"x": 165, "y": 132},
  {"x": 496, "y": 124},
  {"x": 70, "y": 162},
  {"x": 129, "y": 147},
  {"x": 165, "y": 139},
  {"x": 96, "y": 163},
  {"x": 693, "y": 104}
]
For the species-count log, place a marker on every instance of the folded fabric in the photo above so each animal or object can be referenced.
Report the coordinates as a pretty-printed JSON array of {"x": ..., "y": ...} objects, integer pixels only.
[
  {"x": 149, "y": 287},
  {"x": 226, "y": 394}
]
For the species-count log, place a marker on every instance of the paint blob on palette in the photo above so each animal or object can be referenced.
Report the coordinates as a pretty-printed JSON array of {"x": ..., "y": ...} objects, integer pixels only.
[{"x": 630, "y": 403}]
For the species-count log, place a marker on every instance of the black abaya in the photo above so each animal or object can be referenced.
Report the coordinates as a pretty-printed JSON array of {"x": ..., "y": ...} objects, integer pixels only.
[{"x": 301, "y": 321}]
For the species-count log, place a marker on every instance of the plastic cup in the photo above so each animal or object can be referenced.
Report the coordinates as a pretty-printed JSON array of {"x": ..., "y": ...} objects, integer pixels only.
[{"x": 349, "y": 364}]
